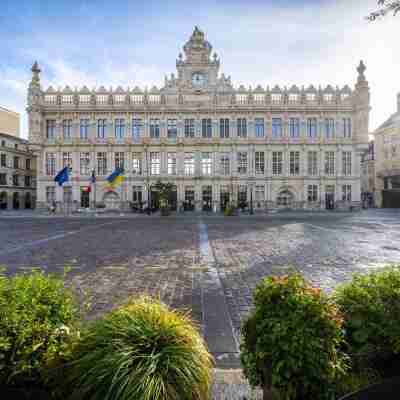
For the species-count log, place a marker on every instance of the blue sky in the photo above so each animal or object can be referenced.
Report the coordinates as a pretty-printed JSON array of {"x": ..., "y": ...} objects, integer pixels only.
[{"x": 132, "y": 43}]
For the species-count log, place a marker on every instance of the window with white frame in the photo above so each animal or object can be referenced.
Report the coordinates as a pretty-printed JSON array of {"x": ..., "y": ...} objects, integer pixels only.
[
  {"x": 224, "y": 127},
  {"x": 50, "y": 164},
  {"x": 312, "y": 127},
  {"x": 136, "y": 128},
  {"x": 119, "y": 98},
  {"x": 241, "y": 98},
  {"x": 84, "y": 128},
  {"x": 242, "y": 162},
  {"x": 154, "y": 99},
  {"x": 312, "y": 193},
  {"x": 67, "y": 159},
  {"x": 276, "y": 98},
  {"x": 101, "y": 128},
  {"x": 259, "y": 158},
  {"x": 329, "y": 163},
  {"x": 172, "y": 129},
  {"x": 329, "y": 128},
  {"x": 136, "y": 163},
  {"x": 259, "y": 194},
  {"x": 84, "y": 163},
  {"x": 101, "y": 163},
  {"x": 67, "y": 128},
  {"x": 67, "y": 99},
  {"x": 294, "y": 163},
  {"x": 119, "y": 159},
  {"x": 206, "y": 128},
  {"x": 276, "y": 127},
  {"x": 155, "y": 163},
  {"x": 171, "y": 163},
  {"x": 84, "y": 98},
  {"x": 136, "y": 99},
  {"x": 346, "y": 163},
  {"x": 259, "y": 98},
  {"x": 224, "y": 161},
  {"x": 50, "y": 194},
  {"x": 189, "y": 128},
  {"x": 154, "y": 128},
  {"x": 241, "y": 128},
  {"x": 259, "y": 127},
  {"x": 188, "y": 164},
  {"x": 119, "y": 128},
  {"x": 294, "y": 127},
  {"x": 346, "y": 192},
  {"x": 346, "y": 127},
  {"x": 101, "y": 99},
  {"x": 50, "y": 128},
  {"x": 50, "y": 98},
  {"x": 293, "y": 98},
  {"x": 312, "y": 163},
  {"x": 277, "y": 163},
  {"x": 206, "y": 164}
]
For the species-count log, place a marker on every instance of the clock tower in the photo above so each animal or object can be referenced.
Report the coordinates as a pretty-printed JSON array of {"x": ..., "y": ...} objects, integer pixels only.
[{"x": 198, "y": 70}]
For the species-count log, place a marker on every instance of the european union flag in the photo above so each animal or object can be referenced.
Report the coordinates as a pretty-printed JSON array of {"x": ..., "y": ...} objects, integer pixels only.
[{"x": 62, "y": 176}]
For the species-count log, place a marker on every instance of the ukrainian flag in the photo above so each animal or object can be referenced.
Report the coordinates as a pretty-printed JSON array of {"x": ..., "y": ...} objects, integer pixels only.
[{"x": 116, "y": 178}]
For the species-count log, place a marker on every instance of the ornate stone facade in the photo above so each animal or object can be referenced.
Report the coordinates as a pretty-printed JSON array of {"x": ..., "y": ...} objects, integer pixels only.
[{"x": 279, "y": 147}]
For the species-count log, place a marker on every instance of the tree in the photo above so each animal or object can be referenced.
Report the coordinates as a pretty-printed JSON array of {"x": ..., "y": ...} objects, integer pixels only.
[{"x": 386, "y": 7}]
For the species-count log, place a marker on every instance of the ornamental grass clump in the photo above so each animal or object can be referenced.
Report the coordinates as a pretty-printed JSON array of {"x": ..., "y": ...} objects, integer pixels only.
[
  {"x": 141, "y": 351},
  {"x": 291, "y": 340}
]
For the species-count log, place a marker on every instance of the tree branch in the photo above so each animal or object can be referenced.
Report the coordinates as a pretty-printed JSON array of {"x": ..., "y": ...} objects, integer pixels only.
[{"x": 386, "y": 7}]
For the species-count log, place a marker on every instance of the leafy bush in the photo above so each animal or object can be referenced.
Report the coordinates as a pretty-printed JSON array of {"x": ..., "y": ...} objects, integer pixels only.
[
  {"x": 38, "y": 316},
  {"x": 371, "y": 308},
  {"x": 291, "y": 340},
  {"x": 140, "y": 351},
  {"x": 229, "y": 210}
]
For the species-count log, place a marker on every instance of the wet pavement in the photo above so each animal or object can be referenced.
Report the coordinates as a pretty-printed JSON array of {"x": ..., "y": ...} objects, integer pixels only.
[{"x": 206, "y": 264}]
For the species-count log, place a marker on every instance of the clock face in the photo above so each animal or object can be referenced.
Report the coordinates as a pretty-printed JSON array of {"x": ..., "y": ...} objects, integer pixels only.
[{"x": 198, "y": 79}]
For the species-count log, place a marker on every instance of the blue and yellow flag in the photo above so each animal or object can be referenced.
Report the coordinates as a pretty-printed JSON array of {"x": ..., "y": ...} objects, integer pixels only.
[{"x": 116, "y": 178}]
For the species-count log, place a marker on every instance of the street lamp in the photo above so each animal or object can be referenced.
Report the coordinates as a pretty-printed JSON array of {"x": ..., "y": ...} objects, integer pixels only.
[{"x": 251, "y": 199}]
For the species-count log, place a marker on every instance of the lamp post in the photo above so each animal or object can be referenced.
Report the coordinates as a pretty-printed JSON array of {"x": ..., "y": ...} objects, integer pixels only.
[
  {"x": 148, "y": 182},
  {"x": 251, "y": 199}
]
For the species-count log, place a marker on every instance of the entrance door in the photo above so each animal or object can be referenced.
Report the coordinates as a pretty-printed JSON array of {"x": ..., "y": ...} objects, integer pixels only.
[
  {"x": 16, "y": 201},
  {"x": 207, "y": 198},
  {"x": 28, "y": 203},
  {"x": 173, "y": 199},
  {"x": 285, "y": 199},
  {"x": 330, "y": 197},
  {"x": 85, "y": 198},
  {"x": 3, "y": 200},
  {"x": 224, "y": 200},
  {"x": 242, "y": 197},
  {"x": 188, "y": 205},
  {"x": 154, "y": 200}
]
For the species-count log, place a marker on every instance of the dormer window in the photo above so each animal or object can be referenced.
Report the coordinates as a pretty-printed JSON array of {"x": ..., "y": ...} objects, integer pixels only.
[
  {"x": 311, "y": 97},
  {"x": 119, "y": 98},
  {"x": 84, "y": 98},
  {"x": 344, "y": 96},
  {"x": 101, "y": 99},
  {"x": 136, "y": 99},
  {"x": 241, "y": 98},
  {"x": 67, "y": 98},
  {"x": 154, "y": 99},
  {"x": 276, "y": 98},
  {"x": 293, "y": 97},
  {"x": 328, "y": 98},
  {"x": 50, "y": 98}
]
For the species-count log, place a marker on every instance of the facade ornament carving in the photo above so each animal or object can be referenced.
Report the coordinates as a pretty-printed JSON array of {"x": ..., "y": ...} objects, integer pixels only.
[{"x": 361, "y": 69}]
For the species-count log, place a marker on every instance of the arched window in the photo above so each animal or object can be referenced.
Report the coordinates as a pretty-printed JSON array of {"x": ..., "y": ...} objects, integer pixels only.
[{"x": 285, "y": 198}]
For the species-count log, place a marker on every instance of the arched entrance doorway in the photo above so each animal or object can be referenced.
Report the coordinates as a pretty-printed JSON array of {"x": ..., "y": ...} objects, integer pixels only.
[
  {"x": 111, "y": 201},
  {"x": 3, "y": 200},
  {"x": 285, "y": 199},
  {"x": 28, "y": 200},
  {"x": 15, "y": 200}
]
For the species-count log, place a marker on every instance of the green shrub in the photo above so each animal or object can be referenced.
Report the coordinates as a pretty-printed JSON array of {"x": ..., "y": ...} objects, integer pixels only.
[
  {"x": 38, "y": 316},
  {"x": 229, "y": 210},
  {"x": 371, "y": 308},
  {"x": 142, "y": 351},
  {"x": 291, "y": 340}
]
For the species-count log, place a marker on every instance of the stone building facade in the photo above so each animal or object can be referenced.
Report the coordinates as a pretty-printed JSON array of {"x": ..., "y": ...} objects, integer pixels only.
[
  {"x": 387, "y": 161},
  {"x": 17, "y": 173},
  {"x": 274, "y": 147},
  {"x": 9, "y": 122}
]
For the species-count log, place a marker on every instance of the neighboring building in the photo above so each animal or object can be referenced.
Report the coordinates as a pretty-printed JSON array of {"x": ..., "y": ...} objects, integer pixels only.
[
  {"x": 9, "y": 122},
  {"x": 17, "y": 173},
  {"x": 387, "y": 161},
  {"x": 368, "y": 177},
  {"x": 281, "y": 147}
]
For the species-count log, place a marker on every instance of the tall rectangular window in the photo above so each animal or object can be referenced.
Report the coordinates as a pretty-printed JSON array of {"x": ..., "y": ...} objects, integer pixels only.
[
  {"x": 206, "y": 164},
  {"x": 241, "y": 127},
  {"x": 294, "y": 127},
  {"x": 277, "y": 163},
  {"x": 224, "y": 161},
  {"x": 50, "y": 128},
  {"x": 206, "y": 128},
  {"x": 189, "y": 128},
  {"x": 172, "y": 130},
  {"x": 16, "y": 162},
  {"x": 259, "y": 162},
  {"x": 189, "y": 164},
  {"x": 84, "y": 163},
  {"x": 28, "y": 164},
  {"x": 171, "y": 161},
  {"x": 312, "y": 193},
  {"x": 3, "y": 162},
  {"x": 346, "y": 192},
  {"x": 294, "y": 163},
  {"x": 154, "y": 128},
  {"x": 312, "y": 163},
  {"x": 137, "y": 163},
  {"x": 346, "y": 163},
  {"x": 119, "y": 159},
  {"x": 50, "y": 164},
  {"x": 67, "y": 159},
  {"x": 136, "y": 128},
  {"x": 276, "y": 127},
  {"x": 329, "y": 163},
  {"x": 312, "y": 127},
  {"x": 242, "y": 162},
  {"x": 67, "y": 128},
  {"x": 101, "y": 128},
  {"x": 3, "y": 179},
  {"x": 329, "y": 128},
  {"x": 101, "y": 163},
  {"x": 84, "y": 128},
  {"x": 259, "y": 127},
  {"x": 224, "y": 128},
  {"x": 119, "y": 128},
  {"x": 347, "y": 127},
  {"x": 155, "y": 163}
]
